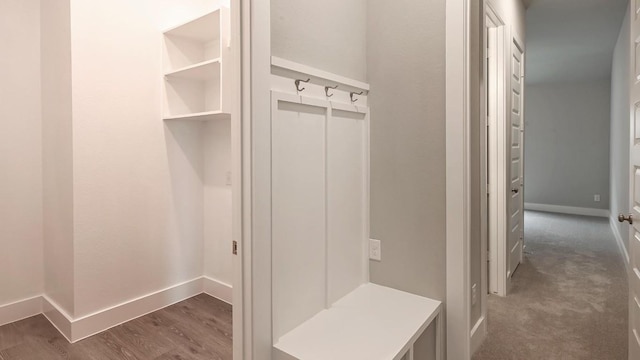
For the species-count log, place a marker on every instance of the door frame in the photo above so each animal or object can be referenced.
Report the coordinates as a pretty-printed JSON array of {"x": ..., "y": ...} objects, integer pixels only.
[
  {"x": 458, "y": 213},
  {"x": 256, "y": 180},
  {"x": 497, "y": 155}
]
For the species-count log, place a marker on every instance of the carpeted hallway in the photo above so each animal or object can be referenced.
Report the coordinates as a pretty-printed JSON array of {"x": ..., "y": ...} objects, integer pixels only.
[{"x": 569, "y": 298}]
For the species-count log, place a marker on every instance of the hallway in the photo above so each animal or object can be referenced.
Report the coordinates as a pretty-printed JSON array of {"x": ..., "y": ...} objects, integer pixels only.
[{"x": 569, "y": 298}]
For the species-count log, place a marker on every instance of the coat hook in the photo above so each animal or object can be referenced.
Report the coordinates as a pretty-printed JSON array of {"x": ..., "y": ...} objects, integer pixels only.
[
  {"x": 326, "y": 90},
  {"x": 355, "y": 93},
  {"x": 298, "y": 84}
]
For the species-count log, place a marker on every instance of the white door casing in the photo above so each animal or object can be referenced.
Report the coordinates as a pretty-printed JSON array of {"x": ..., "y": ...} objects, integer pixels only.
[
  {"x": 498, "y": 149},
  {"x": 514, "y": 193},
  {"x": 634, "y": 193},
  {"x": 236, "y": 181}
]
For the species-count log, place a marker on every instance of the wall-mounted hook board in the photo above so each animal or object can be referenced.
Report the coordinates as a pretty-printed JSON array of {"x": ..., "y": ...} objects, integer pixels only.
[{"x": 285, "y": 72}]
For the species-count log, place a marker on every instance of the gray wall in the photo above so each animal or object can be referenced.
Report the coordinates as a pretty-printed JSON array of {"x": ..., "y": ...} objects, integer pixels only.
[
  {"x": 567, "y": 144},
  {"x": 405, "y": 56},
  {"x": 620, "y": 128},
  {"x": 328, "y": 34}
]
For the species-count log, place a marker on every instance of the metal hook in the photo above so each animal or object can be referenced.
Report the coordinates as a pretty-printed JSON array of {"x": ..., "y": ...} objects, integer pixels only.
[
  {"x": 355, "y": 93},
  {"x": 326, "y": 90},
  {"x": 298, "y": 84}
]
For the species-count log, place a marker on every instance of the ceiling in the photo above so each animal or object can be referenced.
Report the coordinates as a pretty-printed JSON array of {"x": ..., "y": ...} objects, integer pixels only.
[{"x": 571, "y": 40}]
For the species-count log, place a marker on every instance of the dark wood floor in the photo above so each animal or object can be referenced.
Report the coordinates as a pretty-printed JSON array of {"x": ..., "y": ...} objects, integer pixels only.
[{"x": 197, "y": 328}]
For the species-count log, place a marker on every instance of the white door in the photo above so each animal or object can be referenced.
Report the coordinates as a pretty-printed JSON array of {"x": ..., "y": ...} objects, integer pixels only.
[
  {"x": 514, "y": 193},
  {"x": 634, "y": 189}
]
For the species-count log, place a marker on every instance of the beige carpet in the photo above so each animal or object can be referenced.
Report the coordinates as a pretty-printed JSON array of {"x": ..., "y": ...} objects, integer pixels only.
[{"x": 569, "y": 298}]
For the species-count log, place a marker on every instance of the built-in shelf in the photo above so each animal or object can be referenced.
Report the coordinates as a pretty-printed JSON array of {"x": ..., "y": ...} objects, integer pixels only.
[
  {"x": 203, "y": 116},
  {"x": 204, "y": 29},
  {"x": 197, "y": 68},
  {"x": 373, "y": 322},
  {"x": 205, "y": 70}
]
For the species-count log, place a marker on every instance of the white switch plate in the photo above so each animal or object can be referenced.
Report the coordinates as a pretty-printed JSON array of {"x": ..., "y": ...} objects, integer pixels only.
[
  {"x": 596, "y": 197},
  {"x": 375, "y": 250},
  {"x": 228, "y": 178}
]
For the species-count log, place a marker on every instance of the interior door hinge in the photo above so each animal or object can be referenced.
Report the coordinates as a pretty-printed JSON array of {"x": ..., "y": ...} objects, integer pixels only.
[{"x": 234, "y": 248}]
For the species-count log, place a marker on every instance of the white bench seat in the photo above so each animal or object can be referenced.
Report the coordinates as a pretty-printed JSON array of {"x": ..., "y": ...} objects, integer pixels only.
[{"x": 372, "y": 322}]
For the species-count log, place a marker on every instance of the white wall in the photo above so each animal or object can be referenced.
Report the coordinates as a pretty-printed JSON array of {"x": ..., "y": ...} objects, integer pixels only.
[
  {"x": 57, "y": 153},
  {"x": 329, "y": 35},
  {"x": 405, "y": 61},
  {"x": 620, "y": 130},
  {"x": 567, "y": 144},
  {"x": 217, "y": 201},
  {"x": 138, "y": 183},
  {"x": 20, "y": 152}
]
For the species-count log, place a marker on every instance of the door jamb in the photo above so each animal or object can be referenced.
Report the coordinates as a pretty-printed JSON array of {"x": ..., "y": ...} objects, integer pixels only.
[
  {"x": 458, "y": 309},
  {"x": 498, "y": 216},
  {"x": 256, "y": 179}
]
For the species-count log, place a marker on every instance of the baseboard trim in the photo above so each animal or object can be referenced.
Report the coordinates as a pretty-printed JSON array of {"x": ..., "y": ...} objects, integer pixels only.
[
  {"x": 20, "y": 309},
  {"x": 217, "y": 289},
  {"x": 623, "y": 250},
  {"x": 85, "y": 326},
  {"x": 94, "y": 323},
  {"x": 478, "y": 334},
  {"x": 567, "y": 209},
  {"x": 57, "y": 317}
]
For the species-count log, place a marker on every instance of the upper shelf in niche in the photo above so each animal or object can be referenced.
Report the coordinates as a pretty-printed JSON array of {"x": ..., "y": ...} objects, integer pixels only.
[{"x": 204, "y": 29}]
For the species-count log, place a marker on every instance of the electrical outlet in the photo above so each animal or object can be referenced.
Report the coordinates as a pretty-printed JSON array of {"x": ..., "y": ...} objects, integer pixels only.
[
  {"x": 596, "y": 197},
  {"x": 474, "y": 294},
  {"x": 375, "y": 250}
]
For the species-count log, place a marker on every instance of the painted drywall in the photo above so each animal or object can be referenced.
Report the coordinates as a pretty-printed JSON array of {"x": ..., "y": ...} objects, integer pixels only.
[
  {"x": 567, "y": 144},
  {"x": 20, "y": 152},
  {"x": 217, "y": 201},
  {"x": 620, "y": 130},
  {"x": 57, "y": 153},
  {"x": 138, "y": 181},
  {"x": 405, "y": 61},
  {"x": 572, "y": 40},
  {"x": 329, "y": 35}
]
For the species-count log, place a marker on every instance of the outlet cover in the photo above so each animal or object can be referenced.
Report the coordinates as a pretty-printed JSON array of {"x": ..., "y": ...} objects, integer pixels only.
[
  {"x": 375, "y": 250},
  {"x": 596, "y": 197}
]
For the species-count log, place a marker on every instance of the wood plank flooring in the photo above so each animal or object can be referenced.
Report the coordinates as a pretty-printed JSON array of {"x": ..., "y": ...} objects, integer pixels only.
[{"x": 197, "y": 328}]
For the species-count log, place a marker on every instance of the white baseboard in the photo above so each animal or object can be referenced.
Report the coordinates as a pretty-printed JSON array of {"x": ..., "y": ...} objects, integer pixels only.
[
  {"x": 623, "y": 250},
  {"x": 478, "y": 334},
  {"x": 57, "y": 317},
  {"x": 21, "y": 309},
  {"x": 217, "y": 289},
  {"x": 91, "y": 324},
  {"x": 99, "y": 321},
  {"x": 567, "y": 209}
]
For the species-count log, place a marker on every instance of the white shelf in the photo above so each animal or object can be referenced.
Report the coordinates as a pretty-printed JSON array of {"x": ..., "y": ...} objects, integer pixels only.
[
  {"x": 202, "y": 116},
  {"x": 202, "y": 29},
  {"x": 372, "y": 322},
  {"x": 205, "y": 70}
]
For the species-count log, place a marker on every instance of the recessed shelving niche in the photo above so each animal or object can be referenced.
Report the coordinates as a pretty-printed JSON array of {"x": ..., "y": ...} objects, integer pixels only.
[{"x": 196, "y": 68}]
